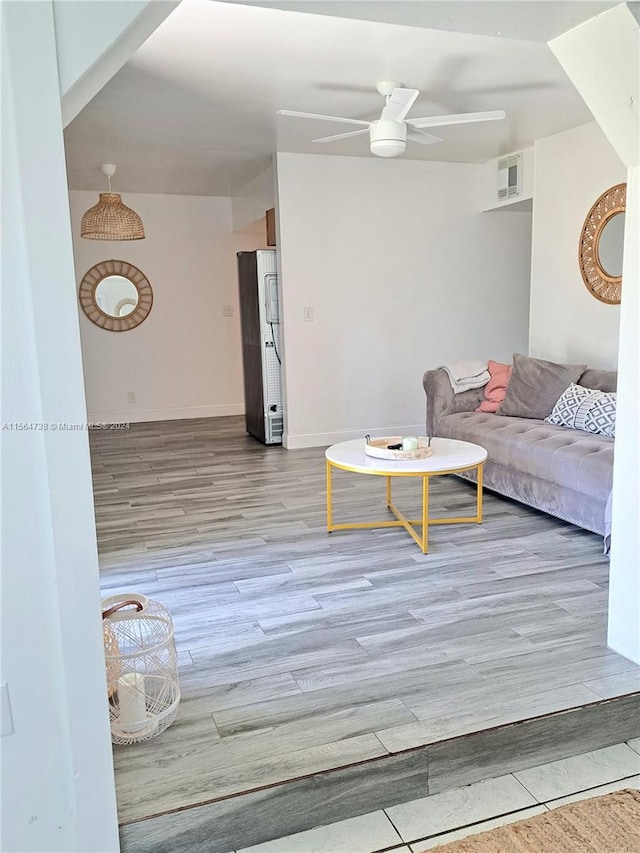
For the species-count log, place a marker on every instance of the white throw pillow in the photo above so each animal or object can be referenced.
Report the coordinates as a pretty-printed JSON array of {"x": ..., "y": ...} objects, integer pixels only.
[{"x": 586, "y": 409}]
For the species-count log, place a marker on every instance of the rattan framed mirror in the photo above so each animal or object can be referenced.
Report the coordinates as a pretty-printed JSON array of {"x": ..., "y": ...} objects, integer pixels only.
[
  {"x": 601, "y": 245},
  {"x": 116, "y": 295}
]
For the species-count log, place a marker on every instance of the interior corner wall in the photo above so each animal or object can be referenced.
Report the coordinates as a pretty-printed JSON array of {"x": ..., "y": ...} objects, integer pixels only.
[
  {"x": 85, "y": 31},
  {"x": 403, "y": 273},
  {"x": 567, "y": 323},
  {"x": 250, "y": 203},
  {"x": 93, "y": 41},
  {"x": 185, "y": 359},
  {"x": 252, "y": 236}
]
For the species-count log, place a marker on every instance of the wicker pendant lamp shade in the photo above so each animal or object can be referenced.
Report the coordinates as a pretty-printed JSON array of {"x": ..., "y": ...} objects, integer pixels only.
[{"x": 110, "y": 219}]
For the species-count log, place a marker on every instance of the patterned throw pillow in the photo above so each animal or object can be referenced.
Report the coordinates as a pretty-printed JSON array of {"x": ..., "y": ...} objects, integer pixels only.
[{"x": 583, "y": 408}]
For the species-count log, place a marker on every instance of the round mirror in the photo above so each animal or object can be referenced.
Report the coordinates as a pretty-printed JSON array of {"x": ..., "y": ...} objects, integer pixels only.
[
  {"x": 611, "y": 245},
  {"x": 116, "y": 296},
  {"x": 601, "y": 245}
]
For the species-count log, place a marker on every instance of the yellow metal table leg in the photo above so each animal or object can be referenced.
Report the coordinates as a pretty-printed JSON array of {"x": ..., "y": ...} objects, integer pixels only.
[
  {"x": 329, "y": 499},
  {"x": 479, "y": 495},
  {"x": 425, "y": 514},
  {"x": 388, "y": 491}
]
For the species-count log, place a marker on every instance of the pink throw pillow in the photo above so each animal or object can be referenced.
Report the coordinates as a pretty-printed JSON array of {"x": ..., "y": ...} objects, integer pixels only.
[{"x": 496, "y": 388}]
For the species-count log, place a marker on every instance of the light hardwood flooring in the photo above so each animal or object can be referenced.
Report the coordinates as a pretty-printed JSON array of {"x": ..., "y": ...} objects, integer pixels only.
[{"x": 301, "y": 651}]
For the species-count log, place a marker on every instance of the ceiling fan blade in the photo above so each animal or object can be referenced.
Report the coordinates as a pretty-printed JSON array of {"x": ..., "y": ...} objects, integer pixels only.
[
  {"x": 461, "y": 118},
  {"x": 322, "y": 118},
  {"x": 399, "y": 104},
  {"x": 422, "y": 138},
  {"x": 341, "y": 135}
]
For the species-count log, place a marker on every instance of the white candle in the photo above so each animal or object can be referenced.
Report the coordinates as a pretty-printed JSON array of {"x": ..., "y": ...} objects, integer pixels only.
[
  {"x": 131, "y": 702},
  {"x": 410, "y": 442}
]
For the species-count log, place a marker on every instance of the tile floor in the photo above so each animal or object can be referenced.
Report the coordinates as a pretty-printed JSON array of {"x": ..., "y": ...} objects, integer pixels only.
[{"x": 426, "y": 823}]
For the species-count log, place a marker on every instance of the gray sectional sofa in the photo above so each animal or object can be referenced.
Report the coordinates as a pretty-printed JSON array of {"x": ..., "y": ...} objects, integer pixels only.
[{"x": 564, "y": 472}]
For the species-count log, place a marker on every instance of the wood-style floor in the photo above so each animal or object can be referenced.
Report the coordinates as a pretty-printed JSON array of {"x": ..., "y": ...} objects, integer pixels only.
[{"x": 302, "y": 651}]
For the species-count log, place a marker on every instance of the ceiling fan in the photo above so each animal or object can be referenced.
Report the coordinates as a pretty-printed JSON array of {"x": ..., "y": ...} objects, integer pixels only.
[{"x": 388, "y": 135}]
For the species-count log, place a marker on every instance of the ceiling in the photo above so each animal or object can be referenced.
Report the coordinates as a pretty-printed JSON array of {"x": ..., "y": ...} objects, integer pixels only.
[
  {"x": 529, "y": 20},
  {"x": 194, "y": 111}
]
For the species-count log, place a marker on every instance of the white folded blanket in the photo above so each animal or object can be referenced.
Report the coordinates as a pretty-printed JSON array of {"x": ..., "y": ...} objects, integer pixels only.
[{"x": 465, "y": 375}]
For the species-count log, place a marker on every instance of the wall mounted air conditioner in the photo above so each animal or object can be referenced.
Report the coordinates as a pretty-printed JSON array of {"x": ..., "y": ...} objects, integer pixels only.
[{"x": 509, "y": 177}]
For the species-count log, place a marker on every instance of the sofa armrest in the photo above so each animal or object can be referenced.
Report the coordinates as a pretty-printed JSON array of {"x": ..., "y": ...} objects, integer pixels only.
[{"x": 442, "y": 401}]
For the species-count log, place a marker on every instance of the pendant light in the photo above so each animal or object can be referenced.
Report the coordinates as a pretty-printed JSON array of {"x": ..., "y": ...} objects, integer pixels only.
[{"x": 110, "y": 219}]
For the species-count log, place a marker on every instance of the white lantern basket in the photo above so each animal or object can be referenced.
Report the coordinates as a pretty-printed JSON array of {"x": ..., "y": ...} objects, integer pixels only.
[{"x": 142, "y": 667}]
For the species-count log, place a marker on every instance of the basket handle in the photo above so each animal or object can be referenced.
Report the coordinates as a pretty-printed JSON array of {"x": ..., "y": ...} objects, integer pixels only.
[{"x": 119, "y": 606}]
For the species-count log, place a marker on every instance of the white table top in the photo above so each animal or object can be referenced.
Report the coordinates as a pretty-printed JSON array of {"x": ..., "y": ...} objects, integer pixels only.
[{"x": 448, "y": 454}]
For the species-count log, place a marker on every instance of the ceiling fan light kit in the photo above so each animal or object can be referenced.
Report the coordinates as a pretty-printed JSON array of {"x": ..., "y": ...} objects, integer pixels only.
[
  {"x": 388, "y": 135},
  {"x": 387, "y": 138}
]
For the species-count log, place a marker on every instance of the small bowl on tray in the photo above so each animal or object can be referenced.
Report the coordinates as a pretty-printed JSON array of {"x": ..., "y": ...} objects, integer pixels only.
[{"x": 379, "y": 448}]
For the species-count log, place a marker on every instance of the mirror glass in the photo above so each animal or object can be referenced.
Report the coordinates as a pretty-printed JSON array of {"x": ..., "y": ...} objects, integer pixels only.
[
  {"x": 610, "y": 245},
  {"x": 116, "y": 296}
]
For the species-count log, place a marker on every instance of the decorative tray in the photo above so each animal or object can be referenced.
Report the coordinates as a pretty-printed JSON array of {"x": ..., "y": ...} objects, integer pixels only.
[{"x": 379, "y": 447}]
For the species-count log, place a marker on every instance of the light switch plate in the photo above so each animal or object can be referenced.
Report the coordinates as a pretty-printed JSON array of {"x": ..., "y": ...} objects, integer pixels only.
[
  {"x": 6, "y": 717},
  {"x": 308, "y": 314}
]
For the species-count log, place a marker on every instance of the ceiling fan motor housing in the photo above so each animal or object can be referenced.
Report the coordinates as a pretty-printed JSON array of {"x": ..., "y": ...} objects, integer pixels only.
[{"x": 388, "y": 138}]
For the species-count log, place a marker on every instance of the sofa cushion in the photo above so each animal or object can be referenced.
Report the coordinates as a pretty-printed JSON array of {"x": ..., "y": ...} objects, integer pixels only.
[
  {"x": 585, "y": 409},
  {"x": 599, "y": 380},
  {"x": 536, "y": 385},
  {"x": 496, "y": 388},
  {"x": 575, "y": 460}
]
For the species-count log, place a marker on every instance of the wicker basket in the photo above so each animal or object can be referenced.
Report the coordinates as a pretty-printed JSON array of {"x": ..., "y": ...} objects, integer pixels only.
[
  {"x": 379, "y": 447},
  {"x": 112, "y": 657}
]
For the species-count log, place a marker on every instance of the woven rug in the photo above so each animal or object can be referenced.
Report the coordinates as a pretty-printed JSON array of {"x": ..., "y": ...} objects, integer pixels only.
[{"x": 607, "y": 824}]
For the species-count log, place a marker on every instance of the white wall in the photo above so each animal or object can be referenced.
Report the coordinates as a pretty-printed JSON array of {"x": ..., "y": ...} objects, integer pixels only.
[
  {"x": 252, "y": 200},
  {"x": 624, "y": 582},
  {"x": 403, "y": 273},
  {"x": 567, "y": 323},
  {"x": 57, "y": 784},
  {"x": 185, "y": 360}
]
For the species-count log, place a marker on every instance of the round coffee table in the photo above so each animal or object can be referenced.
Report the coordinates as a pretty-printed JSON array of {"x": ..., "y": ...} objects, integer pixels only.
[{"x": 449, "y": 457}]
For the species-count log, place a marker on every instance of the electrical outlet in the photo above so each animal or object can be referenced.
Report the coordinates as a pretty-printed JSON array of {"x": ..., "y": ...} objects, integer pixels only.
[
  {"x": 308, "y": 314},
  {"x": 131, "y": 396},
  {"x": 227, "y": 310}
]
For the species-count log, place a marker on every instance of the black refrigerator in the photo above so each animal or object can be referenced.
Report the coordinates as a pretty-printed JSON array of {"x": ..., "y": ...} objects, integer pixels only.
[{"x": 261, "y": 347}]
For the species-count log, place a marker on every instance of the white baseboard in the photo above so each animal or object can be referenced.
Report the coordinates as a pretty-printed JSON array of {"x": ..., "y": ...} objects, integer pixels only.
[
  {"x": 135, "y": 416},
  {"x": 322, "y": 439}
]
